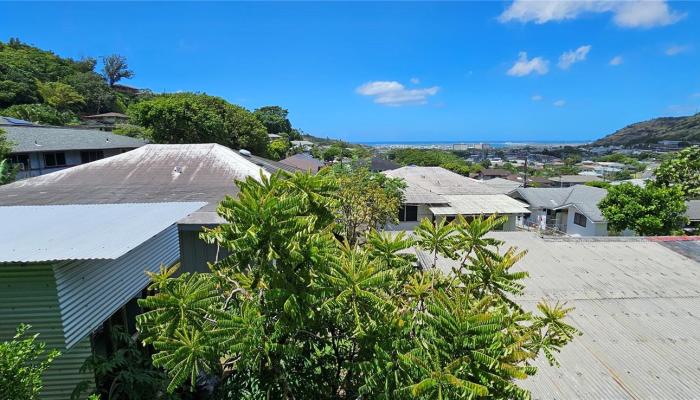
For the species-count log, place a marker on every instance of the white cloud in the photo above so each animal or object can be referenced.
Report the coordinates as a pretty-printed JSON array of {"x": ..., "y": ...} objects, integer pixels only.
[
  {"x": 569, "y": 58},
  {"x": 676, "y": 49},
  {"x": 524, "y": 67},
  {"x": 392, "y": 93},
  {"x": 628, "y": 14},
  {"x": 536, "y": 97},
  {"x": 617, "y": 60},
  {"x": 415, "y": 81},
  {"x": 559, "y": 103}
]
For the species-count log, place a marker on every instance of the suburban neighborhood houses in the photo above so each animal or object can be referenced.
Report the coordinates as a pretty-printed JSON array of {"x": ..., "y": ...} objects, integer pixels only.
[{"x": 494, "y": 200}]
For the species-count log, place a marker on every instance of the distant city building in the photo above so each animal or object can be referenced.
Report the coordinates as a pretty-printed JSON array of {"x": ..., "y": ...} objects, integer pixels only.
[{"x": 471, "y": 146}]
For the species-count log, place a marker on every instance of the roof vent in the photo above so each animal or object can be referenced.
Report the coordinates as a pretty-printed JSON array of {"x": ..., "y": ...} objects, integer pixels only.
[
  {"x": 177, "y": 170},
  {"x": 107, "y": 140},
  {"x": 244, "y": 152},
  {"x": 36, "y": 143}
]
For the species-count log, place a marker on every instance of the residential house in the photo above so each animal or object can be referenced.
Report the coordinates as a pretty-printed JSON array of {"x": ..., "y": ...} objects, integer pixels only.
[
  {"x": 491, "y": 173},
  {"x": 110, "y": 118},
  {"x": 40, "y": 150},
  {"x": 693, "y": 214},
  {"x": 571, "y": 180},
  {"x": 571, "y": 210},
  {"x": 635, "y": 301},
  {"x": 75, "y": 243},
  {"x": 302, "y": 144},
  {"x": 503, "y": 186},
  {"x": 436, "y": 193},
  {"x": 305, "y": 162}
]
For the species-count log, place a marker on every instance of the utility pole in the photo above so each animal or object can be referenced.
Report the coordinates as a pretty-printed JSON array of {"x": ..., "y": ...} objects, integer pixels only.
[{"x": 527, "y": 155}]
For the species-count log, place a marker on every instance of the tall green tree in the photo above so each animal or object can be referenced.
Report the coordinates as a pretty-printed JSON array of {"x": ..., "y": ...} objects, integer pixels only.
[
  {"x": 60, "y": 95},
  {"x": 650, "y": 211},
  {"x": 295, "y": 313},
  {"x": 115, "y": 68},
  {"x": 198, "y": 118},
  {"x": 682, "y": 170},
  {"x": 7, "y": 170},
  {"x": 22, "y": 362},
  {"x": 274, "y": 118}
]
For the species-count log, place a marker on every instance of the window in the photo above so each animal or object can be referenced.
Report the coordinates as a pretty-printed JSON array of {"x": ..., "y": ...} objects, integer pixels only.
[
  {"x": 90, "y": 156},
  {"x": 580, "y": 219},
  {"x": 20, "y": 159},
  {"x": 54, "y": 159},
  {"x": 408, "y": 213}
]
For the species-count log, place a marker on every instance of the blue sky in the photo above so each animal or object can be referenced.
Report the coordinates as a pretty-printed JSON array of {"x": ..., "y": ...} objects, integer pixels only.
[{"x": 497, "y": 70}]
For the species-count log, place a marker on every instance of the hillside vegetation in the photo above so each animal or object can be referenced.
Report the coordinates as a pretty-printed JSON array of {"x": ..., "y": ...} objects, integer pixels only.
[{"x": 686, "y": 129}]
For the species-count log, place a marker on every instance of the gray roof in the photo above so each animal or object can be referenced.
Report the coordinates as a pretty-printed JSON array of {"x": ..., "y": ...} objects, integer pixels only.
[
  {"x": 438, "y": 180},
  {"x": 693, "y": 211},
  {"x": 575, "y": 178},
  {"x": 270, "y": 165},
  {"x": 152, "y": 173},
  {"x": 637, "y": 303},
  {"x": 304, "y": 161},
  {"x": 503, "y": 185},
  {"x": 79, "y": 232},
  {"x": 29, "y": 139},
  {"x": 109, "y": 114},
  {"x": 584, "y": 198}
]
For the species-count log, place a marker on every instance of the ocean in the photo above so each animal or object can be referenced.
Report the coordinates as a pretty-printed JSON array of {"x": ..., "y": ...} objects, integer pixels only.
[{"x": 495, "y": 145}]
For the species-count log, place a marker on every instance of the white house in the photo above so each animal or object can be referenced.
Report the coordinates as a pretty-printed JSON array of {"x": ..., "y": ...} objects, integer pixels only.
[
  {"x": 572, "y": 210},
  {"x": 434, "y": 192}
]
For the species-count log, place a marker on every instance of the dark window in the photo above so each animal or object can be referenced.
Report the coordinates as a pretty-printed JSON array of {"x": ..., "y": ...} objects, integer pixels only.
[
  {"x": 54, "y": 159},
  {"x": 20, "y": 159},
  {"x": 580, "y": 219},
  {"x": 408, "y": 213},
  {"x": 90, "y": 156}
]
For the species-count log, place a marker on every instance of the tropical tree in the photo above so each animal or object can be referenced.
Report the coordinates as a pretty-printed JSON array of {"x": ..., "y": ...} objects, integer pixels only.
[
  {"x": 650, "y": 210},
  {"x": 274, "y": 118},
  {"x": 115, "y": 69},
  {"x": 294, "y": 312},
  {"x": 277, "y": 149},
  {"x": 22, "y": 362},
  {"x": 60, "y": 95},
  {"x": 683, "y": 170},
  {"x": 40, "y": 113},
  {"x": 198, "y": 118},
  {"x": 7, "y": 170}
]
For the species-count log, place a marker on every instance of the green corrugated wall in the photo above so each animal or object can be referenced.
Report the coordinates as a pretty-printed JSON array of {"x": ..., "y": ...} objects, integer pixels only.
[{"x": 28, "y": 295}]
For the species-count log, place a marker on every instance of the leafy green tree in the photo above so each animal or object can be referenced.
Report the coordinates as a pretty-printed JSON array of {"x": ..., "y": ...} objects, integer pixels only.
[
  {"x": 7, "y": 170},
  {"x": 115, "y": 68},
  {"x": 22, "y": 362},
  {"x": 274, "y": 118},
  {"x": 332, "y": 153},
  {"x": 60, "y": 95},
  {"x": 682, "y": 170},
  {"x": 199, "y": 118},
  {"x": 277, "y": 149},
  {"x": 98, "y": 96},
  {"x": 40, "y": 113},
  {"x": 293, "y": 312},
  {"x": 366, "y": 200},
  {"x": 648, "y": 211}
]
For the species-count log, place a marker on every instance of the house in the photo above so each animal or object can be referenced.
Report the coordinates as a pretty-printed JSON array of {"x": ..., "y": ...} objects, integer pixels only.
[
  {"x": 491, "y": 173},
  {"x": 110, "y": 118},
  {"x": 302, "y": 144},
  {"x": 274, "y": 136},
  {"x": 75, "y": 243},
  {"x": 435, "y": 193},
  {"x": 304, "y": 161},
  {"x": 40, "y": 150},
  {"x": 571, "y": 210},
  {"x": 693, "y": 214},
  {"x": 503, "y": 186},
  {"x": 635, "y": 301},
  {"x": 571, "y": 180}
]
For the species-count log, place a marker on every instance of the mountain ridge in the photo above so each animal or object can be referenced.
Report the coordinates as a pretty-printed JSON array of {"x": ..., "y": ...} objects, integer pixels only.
[{"x": 685, "y": 129}]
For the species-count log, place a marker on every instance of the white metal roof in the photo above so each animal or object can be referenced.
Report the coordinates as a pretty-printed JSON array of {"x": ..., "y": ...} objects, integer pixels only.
[
  {"x": 87, "y": 231},
  {"x": 480, "y": 204}
]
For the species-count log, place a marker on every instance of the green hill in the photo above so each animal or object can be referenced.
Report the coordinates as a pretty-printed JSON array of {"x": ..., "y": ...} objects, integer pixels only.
[{"x": 685, "y": 129}]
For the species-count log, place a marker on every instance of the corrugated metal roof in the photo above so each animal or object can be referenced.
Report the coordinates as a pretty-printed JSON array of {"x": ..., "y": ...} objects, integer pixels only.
[
  {"x": 28, "y": 139},
  {"x": 504, "y": 186},
  {"x": 438, "y": 180},
  {"x": 637, "y": 303},
  {"x": 584, "y": 198},
  {"x": 304, "y": 161},
  {"x": 480, "y": 204},
  {"x": 77, "y": 232}
]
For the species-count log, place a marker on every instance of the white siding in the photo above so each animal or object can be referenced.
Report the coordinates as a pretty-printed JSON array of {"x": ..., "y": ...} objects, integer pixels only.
[
  {"x": 423, "y": 212},
  {"x": 591, "y": 228},
  {"x": 89, "y": 291}
]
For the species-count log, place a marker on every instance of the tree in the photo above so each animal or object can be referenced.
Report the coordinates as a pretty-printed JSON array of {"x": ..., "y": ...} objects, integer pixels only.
[
  {"x": 199, "y": 118},
  {"x": 277, "y": 149},
  {"x": 683, "y": 170},
  {"x": 7, "y": 170},
  {"x": 98, "y": 96},
  {"x": 293, "y": 312},
  {"x": 648, "y": 211},
  {"x": 274, "y": 118},
  {"x": 22, "y": 361},
  {"x": 60, "y": 95},
  {"x": 366, "y": 200},
  {"x": 40, "y": 113},
  {"x": 115, "y": 69}
]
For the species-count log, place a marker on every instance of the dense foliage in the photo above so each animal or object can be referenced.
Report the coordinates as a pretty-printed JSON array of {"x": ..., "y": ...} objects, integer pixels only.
[
  {"x": 127, "y": 373},
  {"x": 199, "y": 118},
  {"x": 682, "y": 170},
  {"x": 434, "y": 158},
  {"x": 22, "y": 361},
  {"x": 648, "y": 211},
  {"x": 40, "y": 113},
  {"x": 295, "y": 312},
  {"x": 276, "y": 122},
  {"x": 31, "y": 76},
  {"x": 7, "y": 170}
]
